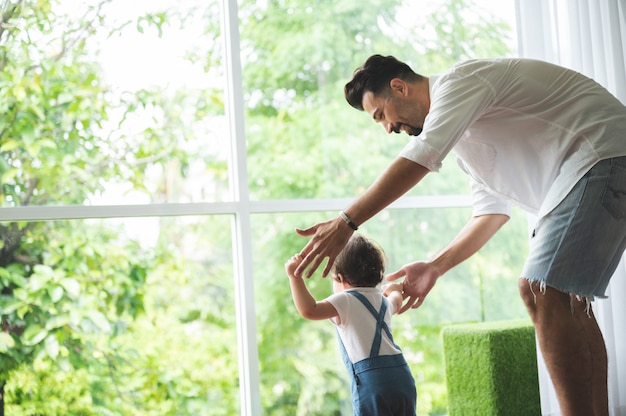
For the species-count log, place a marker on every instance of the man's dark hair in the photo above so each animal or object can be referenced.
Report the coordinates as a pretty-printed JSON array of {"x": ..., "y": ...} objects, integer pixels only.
[
  {"x": 361, "y": 262},
  {"x": 374, "y": 76}
]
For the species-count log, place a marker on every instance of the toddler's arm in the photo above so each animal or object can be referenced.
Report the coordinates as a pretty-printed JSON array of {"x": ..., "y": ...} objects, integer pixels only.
[
  {"x": 305, "y": 303},
  {"x": 393, "y": 292}
]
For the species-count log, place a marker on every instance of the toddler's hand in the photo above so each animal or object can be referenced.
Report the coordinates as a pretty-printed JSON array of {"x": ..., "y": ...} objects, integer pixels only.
[
  {"x": 392, "y": 287},
  {"x": 292, "y": 264}
]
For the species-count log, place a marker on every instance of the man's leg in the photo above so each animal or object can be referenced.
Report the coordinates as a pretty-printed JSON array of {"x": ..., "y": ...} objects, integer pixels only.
[{"x": 572, "y": 347}]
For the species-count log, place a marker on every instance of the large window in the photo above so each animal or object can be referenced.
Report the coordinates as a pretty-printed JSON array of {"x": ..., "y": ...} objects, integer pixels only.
[{"x": 155, "y": 159}]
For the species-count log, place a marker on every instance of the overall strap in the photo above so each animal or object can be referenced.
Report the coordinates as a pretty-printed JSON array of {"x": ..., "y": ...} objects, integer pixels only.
[
  {"x": 381, "y": 325},
  {"x": 344, "y": 355}
]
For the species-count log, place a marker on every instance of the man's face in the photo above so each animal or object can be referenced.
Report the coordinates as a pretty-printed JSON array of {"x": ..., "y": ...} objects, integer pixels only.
[{"x": 395, "y": 110}]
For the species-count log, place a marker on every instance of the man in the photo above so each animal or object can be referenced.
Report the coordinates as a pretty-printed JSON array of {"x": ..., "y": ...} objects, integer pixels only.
[{"x": 545, "y": 138}]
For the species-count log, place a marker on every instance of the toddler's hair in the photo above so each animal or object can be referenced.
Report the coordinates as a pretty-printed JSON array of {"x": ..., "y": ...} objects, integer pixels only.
[{"x": 361, "y": 262}]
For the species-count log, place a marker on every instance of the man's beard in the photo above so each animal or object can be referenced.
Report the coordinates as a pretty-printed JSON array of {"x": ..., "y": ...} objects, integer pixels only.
[{"x": 410, "y": 130}]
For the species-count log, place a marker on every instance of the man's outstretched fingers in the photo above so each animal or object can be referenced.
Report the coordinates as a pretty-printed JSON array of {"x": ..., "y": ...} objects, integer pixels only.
[
  {"x": 315, "y": 262},
  {"x": 328, "y": 267},
  {"x": 306, "y": 232},
  {"x": 395, "y": 275},
  {"x": 418, "y": 303},
  {"x": 306, "y": 260},
  {"x": 407, "y": 305}
]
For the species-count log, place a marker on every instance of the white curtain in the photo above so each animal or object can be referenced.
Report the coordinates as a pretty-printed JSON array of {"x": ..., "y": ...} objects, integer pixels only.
[{"x": 588, "y": 36}]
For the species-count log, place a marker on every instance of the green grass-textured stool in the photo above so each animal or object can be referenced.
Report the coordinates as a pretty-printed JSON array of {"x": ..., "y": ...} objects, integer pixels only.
[{"x": 491, "y": 369}]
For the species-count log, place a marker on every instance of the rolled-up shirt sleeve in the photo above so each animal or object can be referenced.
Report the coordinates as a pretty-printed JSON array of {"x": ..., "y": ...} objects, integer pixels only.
[
  {"x": 418, "y": 151},
  {"x": 485, "y": 202}
]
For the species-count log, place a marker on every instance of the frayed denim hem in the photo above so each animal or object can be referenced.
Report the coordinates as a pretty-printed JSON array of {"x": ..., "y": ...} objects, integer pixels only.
[{"x": 579, "y": 297}]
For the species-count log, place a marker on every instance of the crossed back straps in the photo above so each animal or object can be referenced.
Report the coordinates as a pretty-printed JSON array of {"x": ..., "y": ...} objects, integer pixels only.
[{"x": 381, "y": 325}]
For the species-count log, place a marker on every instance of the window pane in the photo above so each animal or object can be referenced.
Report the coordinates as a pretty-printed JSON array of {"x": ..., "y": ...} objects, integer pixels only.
[
  {"x": 304, "y": 140},
  {"x": 301, "y": 372},
  {"x": 113, "y": 103},
  {"x": 300, "y": 363},
  {"x": 121, "y": 316}
]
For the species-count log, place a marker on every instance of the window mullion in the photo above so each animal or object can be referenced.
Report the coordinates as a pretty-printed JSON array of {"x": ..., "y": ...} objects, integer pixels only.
[{"x": 249, "y": 379}]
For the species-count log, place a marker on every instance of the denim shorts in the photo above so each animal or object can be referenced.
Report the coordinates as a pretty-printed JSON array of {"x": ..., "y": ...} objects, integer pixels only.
[{"x": 577, "y": 246}]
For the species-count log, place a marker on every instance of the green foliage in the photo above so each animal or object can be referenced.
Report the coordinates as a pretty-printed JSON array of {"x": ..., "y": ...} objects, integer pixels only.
[
  {"x": 81, "y": 284},
  {"x": 43, "y": 390},
  {"x": 321, "y": 147},
  {"x": 491, "y": 368},
  {"x": 291, "y": 47},
  {"x": 459, "y": 35},
  {"x": 51, "y": 106},
  {"x": 69, "y": 287}
]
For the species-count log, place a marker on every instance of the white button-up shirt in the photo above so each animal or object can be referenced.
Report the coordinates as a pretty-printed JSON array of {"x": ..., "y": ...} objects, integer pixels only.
[{"x": 525, "y": 131}]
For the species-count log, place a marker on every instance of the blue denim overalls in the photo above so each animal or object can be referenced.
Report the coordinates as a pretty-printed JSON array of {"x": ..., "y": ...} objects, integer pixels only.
[{"x": 382, "y": 385}]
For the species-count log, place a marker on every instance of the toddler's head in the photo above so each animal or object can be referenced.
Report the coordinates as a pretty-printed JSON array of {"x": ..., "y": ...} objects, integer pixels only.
[{"x": 361, "y": 262}]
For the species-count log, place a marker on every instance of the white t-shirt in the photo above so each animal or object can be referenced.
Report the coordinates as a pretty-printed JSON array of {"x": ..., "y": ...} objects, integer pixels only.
[
  {"x": 525, "y": 131},
  {"x": 358, "y": 325}
]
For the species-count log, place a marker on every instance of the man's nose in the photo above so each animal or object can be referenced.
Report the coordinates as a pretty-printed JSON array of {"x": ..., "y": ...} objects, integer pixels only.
[{"x": 388, "y": 127}]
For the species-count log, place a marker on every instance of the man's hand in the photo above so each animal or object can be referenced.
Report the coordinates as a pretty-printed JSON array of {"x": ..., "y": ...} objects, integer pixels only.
[
  {"x": 420, "y": 277},
  {"x": 329, "y": 238}
]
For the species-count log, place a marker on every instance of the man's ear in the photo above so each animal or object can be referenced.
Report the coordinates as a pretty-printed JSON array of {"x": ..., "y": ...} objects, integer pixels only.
[{"x": 398, "y": 86}]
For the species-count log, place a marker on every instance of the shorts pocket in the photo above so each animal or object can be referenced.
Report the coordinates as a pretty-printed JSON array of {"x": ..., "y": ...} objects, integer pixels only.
[{"x": 614, "y": 196}]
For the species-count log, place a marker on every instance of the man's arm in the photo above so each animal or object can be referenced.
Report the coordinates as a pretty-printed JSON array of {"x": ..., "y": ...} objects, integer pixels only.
[
  {"x": 329, "y": 238},
  {"x": 468, "y": 241},
  {"x": 422, "y": 276}
]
